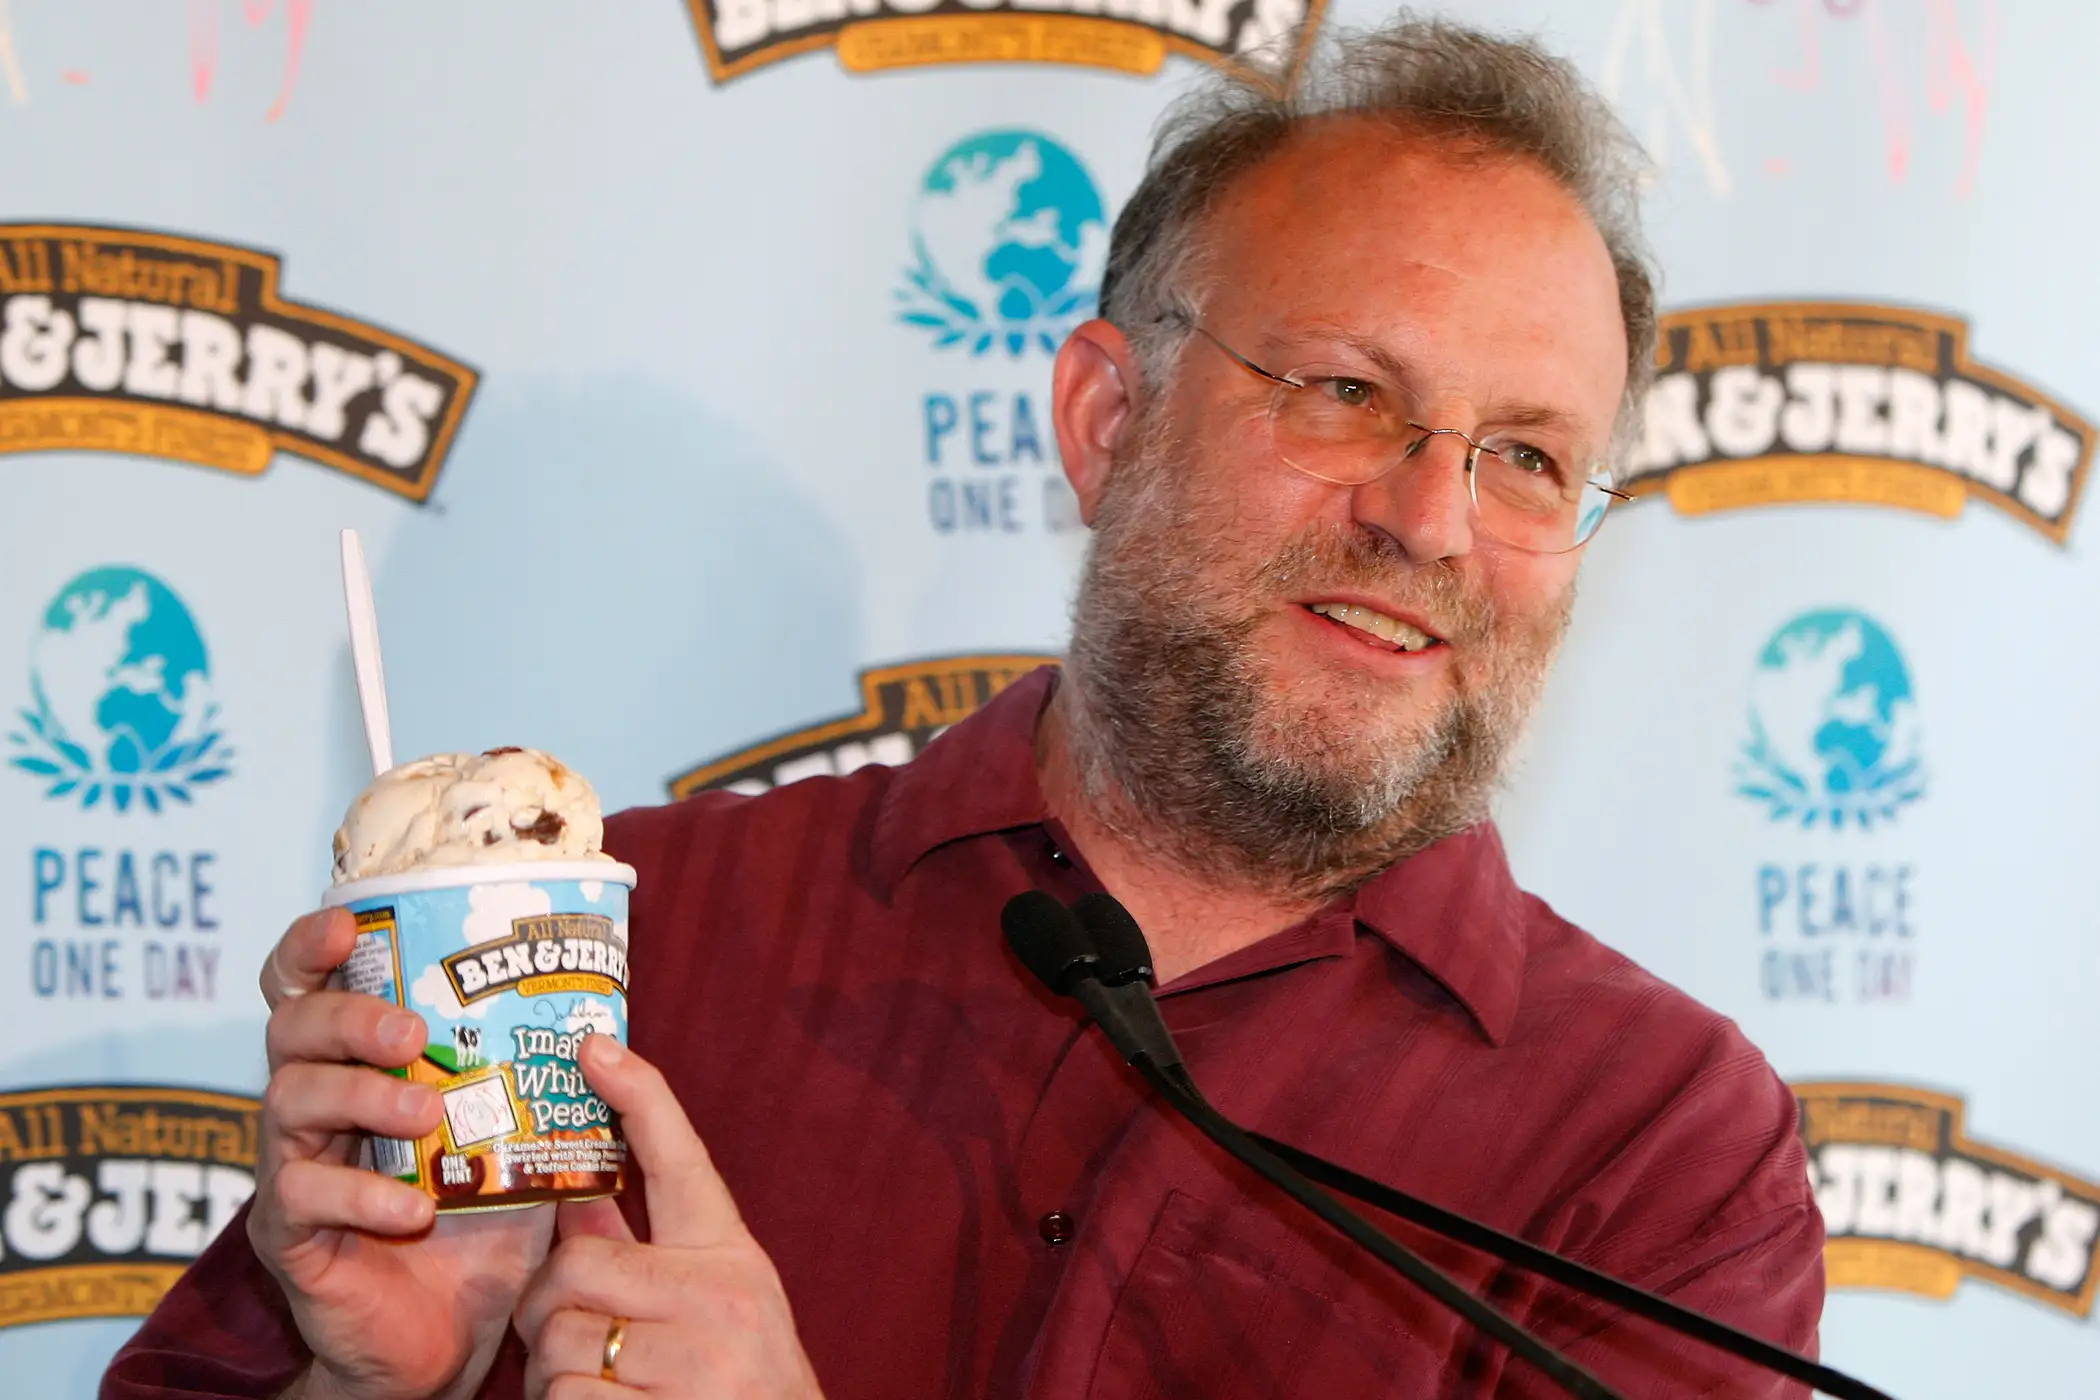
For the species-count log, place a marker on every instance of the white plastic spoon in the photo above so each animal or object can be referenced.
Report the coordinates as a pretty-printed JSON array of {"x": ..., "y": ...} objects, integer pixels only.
[{"x": 364, "y": 652}]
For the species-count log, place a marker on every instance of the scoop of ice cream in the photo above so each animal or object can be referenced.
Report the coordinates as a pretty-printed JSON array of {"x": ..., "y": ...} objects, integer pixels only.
[{"x": 469, "y": 809}]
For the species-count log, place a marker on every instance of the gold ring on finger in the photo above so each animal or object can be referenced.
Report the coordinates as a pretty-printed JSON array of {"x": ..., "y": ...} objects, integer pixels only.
[{"x": 615, "y": 1338}]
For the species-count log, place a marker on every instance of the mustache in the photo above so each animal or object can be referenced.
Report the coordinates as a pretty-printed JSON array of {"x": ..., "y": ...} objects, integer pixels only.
[{"x": 1331, "y": 556}]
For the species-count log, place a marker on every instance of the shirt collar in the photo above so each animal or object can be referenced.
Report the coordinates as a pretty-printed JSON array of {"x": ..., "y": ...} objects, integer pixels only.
[
  {"x": 975, "y": 778},
  {"x": 1456, "y": 911},
  {"x": 1453, "y": 909}
]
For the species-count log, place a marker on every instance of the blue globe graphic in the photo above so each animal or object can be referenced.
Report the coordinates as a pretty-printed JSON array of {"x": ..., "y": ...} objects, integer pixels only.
[
  {"x": 121, "y": 683},
  {"x": 1010, "y": 239},
  {"x": 1833, "y": 723}
]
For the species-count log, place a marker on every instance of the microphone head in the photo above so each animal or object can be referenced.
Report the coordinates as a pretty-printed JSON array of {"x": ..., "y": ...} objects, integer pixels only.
[
  {"x": 1119, "y": 942},
  {"x": 1047, "y": 940}
]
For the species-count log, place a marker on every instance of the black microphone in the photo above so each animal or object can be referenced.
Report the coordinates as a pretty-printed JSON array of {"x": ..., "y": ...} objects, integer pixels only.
[
  {"x": 1123, "y": 962},
  {"x": 1053, "y": 945},
  {"x": 1122, "y": 955},
  {"x": 1121, "y": 952},
  {"x": 1050, "y": 943}
]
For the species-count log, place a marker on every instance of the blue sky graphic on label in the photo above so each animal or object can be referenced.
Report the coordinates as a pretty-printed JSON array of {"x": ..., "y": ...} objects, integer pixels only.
[
  {"x": 1833, "y": 724},
  {"x": 121, "y": 702},
  {"x": 1009, "y": 238}
]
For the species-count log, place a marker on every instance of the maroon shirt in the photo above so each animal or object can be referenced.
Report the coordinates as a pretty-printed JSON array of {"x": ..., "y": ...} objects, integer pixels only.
[{"x": 968, "y": 1194}]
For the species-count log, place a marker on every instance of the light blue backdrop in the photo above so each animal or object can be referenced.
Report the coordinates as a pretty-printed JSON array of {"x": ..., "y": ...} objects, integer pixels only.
[{"x": 700, "y": 447}]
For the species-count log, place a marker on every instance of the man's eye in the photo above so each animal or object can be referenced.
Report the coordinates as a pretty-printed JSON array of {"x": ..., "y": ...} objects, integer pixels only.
[
  {"x": 1352, "y": 393},
  {"x": 1527, "y": 458}
]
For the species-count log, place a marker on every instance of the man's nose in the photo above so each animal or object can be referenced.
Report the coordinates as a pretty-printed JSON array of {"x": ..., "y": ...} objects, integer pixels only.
[{"x": 1425, "y": 502}]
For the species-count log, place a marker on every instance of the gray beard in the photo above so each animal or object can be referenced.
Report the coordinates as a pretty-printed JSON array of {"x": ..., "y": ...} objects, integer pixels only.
[{"x": 1180, "y": 742}]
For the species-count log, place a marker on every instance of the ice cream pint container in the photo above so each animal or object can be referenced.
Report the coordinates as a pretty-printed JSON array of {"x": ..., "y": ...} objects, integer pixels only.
[{"x": 511, "y": 967}]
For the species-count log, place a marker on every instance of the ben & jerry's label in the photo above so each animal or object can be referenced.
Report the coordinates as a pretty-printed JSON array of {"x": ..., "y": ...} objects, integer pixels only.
[
  {"x": 1911, "y": 1203},
  {"x": 108, "y": 1192},
  {"x": 1789, "y": 402},
  {"x": 1261, "y": 40},
  {"x": 120, "y": 340},
  {"x": 547, "y": 953},
  {"x": 511, "y": 978}
]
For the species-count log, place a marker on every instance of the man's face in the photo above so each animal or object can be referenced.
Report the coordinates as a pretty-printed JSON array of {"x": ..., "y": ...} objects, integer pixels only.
[{"x": 1277, "y": 622}]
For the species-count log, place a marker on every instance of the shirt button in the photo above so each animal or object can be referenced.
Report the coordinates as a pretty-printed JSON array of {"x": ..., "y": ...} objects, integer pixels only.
[{"x": 1056, "y": 1227}]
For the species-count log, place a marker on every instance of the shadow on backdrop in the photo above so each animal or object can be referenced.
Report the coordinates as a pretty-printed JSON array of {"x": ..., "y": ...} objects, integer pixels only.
[{"x": 607, "y": 572}]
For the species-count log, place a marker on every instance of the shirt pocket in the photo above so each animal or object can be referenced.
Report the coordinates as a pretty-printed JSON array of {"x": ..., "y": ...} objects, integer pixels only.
[{"x": 1205, "y": 1314}]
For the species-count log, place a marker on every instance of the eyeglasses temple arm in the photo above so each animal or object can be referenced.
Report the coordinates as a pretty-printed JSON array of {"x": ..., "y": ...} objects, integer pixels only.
[{"x": 1237, "y": 358}]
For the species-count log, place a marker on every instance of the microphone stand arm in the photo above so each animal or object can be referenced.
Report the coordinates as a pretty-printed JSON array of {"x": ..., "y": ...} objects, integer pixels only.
[
  {"x": 1180, "y": 1092},
  {"x": 1565, "y": 1271}
]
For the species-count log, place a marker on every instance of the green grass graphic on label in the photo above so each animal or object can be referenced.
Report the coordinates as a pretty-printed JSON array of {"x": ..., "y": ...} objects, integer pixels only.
[{"x": 443, "y": 1056}]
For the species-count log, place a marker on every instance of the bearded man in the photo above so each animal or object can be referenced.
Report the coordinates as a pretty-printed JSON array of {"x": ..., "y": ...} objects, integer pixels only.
[{"x": 1343, "y": 431}]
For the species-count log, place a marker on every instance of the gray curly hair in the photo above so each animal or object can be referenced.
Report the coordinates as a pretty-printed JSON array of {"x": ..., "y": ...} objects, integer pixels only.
[{"x": 1429, "y": 77}]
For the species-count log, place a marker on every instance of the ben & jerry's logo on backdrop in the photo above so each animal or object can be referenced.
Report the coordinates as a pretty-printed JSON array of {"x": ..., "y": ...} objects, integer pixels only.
[
  {"x": 1791, "y": 402},
  {"x": 121, "y": 709},
  {"x": 902, "y": 708},
  {"x": 1912, "y": 1203},
  {"x": 118, "y": 340},
  {"x": 1259, "y": 39},
  {"x": 108, "y": 1193}
]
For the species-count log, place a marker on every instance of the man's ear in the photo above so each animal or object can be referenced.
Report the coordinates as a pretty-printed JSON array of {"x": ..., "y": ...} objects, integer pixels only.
[{"x": 1092, "y": 396}]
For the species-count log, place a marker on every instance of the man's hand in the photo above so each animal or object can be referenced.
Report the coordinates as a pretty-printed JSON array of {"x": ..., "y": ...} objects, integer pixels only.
[
  {"x": 393, "y": 1300},
  {"x": 703, "y": 1309}
]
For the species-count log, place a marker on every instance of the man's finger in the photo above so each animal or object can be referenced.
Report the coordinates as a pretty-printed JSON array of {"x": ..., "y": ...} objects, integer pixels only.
[
  {"x": 344, "y": 1028},
  {"x": 600, "y": 1276},
  {"x": 306, "y": 1197},
  {"x": 689, "y": 1206},
  {"x": 314, "y": 946},
  {"x": 654, "y": 1356},
  {"x": 305, "y": 1106},
  {"x": 601, "y": 1218},
  {"x": 583, "y": 1388}
]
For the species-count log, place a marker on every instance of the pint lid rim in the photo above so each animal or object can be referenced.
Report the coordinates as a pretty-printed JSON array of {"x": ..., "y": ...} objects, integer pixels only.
[{"x": 447, "y": 877}]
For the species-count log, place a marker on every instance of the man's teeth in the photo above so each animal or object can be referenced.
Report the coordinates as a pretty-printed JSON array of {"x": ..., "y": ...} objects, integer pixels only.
[{"x": 1386, "y": 629}]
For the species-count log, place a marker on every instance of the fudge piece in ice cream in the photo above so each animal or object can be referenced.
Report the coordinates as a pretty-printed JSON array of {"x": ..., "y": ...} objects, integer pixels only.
[{"x": 469, "y": 809}]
